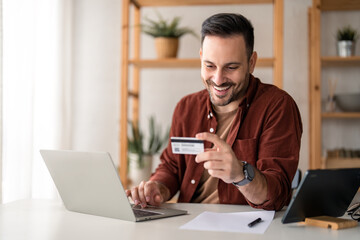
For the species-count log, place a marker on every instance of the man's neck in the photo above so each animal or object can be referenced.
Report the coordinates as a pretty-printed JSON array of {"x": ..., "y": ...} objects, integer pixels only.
[{"x": 229, "y": 107}]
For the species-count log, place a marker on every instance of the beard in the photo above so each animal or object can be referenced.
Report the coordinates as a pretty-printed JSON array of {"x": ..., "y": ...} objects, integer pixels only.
[{"x": 235, "y": 93}]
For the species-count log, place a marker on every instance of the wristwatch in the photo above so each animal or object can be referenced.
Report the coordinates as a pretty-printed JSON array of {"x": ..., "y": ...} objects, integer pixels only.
[{"x": 249, "y": 175}]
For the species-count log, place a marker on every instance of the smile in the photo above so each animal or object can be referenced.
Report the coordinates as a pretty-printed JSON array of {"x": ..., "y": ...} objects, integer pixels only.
[{"x": 222, "y": 88}]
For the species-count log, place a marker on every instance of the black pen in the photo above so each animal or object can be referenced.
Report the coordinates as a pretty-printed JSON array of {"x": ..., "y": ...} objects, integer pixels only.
[{"x": 253, "y": 223}]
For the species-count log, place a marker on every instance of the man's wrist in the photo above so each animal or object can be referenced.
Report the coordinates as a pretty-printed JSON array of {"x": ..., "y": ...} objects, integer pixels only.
[
  {"x": 249, "y": 174},
  {"x": 240, "y": 176}
]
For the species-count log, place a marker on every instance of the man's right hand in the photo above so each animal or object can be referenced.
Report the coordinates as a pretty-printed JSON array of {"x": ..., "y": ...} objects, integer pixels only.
[{"x": 150, "y": 192}]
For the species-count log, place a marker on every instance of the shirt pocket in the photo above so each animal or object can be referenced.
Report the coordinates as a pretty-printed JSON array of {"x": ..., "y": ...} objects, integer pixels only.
[{"x": 246, "y": 150}]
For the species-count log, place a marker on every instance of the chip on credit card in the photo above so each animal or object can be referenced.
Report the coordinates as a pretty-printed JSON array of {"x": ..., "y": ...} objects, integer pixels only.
[{"x": 187, "y": 145}]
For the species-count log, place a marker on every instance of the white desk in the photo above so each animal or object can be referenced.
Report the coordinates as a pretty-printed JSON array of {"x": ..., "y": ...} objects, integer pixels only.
[{"x": 46, "y": 219}]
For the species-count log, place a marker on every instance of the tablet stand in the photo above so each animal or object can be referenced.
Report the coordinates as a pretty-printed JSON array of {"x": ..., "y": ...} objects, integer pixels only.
[{"x": 330, "y": 222}]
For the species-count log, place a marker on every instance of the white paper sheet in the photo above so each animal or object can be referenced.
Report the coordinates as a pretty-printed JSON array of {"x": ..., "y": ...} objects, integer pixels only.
[{"x": 231, "y": 222}]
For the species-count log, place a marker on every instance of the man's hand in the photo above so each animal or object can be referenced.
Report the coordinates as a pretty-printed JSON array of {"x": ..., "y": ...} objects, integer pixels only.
[
  {"x": 220, "y": 161},
  {"x": 150, "y": 192}
]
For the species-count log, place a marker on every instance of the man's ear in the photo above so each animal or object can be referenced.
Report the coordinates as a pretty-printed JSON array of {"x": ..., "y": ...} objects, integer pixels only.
[{"x": 252, "y": 62}]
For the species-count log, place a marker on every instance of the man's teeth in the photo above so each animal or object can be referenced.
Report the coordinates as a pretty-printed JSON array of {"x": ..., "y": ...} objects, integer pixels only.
[{"x": 221, "y": 88}]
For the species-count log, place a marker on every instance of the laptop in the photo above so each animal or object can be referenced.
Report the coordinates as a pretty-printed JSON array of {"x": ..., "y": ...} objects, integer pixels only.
[
  {"x": 326, "y": 192},
  {"x": 89, "y": 183}
]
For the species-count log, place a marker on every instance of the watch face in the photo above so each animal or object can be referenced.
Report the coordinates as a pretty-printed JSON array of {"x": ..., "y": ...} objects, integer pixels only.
[
  {"x": 249, "y": 175},
  {"x": 250, "y": 171}
]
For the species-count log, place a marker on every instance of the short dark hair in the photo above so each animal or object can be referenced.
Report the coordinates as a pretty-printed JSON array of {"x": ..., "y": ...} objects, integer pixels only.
[{"x": 229, "y": 24}]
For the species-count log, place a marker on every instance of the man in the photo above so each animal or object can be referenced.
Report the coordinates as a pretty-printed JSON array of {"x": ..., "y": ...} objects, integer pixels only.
[{"x": 252, "y": 131}]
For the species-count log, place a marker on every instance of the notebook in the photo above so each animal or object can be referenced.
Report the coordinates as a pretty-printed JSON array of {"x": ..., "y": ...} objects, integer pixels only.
[
  {"x": 89, "y": 183},
  {"x": 326, "y": 192}
]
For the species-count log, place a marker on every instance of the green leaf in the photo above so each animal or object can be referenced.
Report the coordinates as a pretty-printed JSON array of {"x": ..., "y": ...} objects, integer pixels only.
[
  {"x": 347, "y": 33},
  {"x": 164, "y": 28},
  {"x": 156, "y": 140}
]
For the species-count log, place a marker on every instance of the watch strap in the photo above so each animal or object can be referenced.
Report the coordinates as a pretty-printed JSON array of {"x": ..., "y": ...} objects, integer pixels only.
[{"x": 247, "y": 178}]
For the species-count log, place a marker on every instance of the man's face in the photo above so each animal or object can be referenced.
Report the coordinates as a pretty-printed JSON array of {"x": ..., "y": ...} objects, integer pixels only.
[{"x": 225, "y": 68}]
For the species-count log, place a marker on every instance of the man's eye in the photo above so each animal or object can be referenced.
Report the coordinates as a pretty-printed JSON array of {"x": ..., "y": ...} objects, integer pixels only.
[
  {"x": 209, "y": 66},
  {"x": 232, "y": 68}
]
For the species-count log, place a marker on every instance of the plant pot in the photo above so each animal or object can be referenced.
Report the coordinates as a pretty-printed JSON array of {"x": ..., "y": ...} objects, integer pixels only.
[
  {"x": 345, "y": 48},
  {"x": 166, "y": 47},
  {"x": 139, "y": 172}
]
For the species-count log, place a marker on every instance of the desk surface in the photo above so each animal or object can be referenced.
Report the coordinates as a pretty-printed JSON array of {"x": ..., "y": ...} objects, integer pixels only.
[{"x": 46, "y": 219}]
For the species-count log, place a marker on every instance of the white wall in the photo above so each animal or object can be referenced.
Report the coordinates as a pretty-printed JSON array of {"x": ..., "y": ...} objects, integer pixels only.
[
  {"x": 96, "y": 75},
  {"x": 296, "y": 81}
]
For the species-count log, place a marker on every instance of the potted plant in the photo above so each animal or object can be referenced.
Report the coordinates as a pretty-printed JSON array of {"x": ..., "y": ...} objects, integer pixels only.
[
  {"x": 140, "y": 154},
  {"x": 346, "y": 40},
  {"x": 166, "y": 34}
]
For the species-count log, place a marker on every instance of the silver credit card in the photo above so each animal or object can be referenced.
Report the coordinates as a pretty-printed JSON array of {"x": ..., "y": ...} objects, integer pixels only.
[{"x": 187, "y": 145}]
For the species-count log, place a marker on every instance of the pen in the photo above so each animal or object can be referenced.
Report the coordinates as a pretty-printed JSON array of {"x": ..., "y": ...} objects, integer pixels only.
[{"x": 253, "y": 223}]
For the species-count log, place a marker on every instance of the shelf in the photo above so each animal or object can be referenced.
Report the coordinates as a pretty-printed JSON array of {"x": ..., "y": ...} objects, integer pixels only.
[
  {"x": 335, "y": 61},
  {"x": 154, "y": 3},
  {"x": 167, "y": 63},
  {"x": 340, "y": 115},
  {"x": 317, "y": 66},
  {"x": 337, "y": 5},
  {"x": 186, "y": 63},
  {"x": 342, "y": 162}
]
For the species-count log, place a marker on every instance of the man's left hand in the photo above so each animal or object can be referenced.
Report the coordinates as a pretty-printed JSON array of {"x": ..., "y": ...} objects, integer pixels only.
[{"x": 220, "y": 161}]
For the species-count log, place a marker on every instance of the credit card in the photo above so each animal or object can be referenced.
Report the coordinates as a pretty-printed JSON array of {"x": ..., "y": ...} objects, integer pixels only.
[{"x": 187, "y": 145}]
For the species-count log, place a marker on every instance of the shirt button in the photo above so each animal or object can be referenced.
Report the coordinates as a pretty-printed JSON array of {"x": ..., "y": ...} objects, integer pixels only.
[
  {"x": 192, "y": 181},
  {"x": 208, "y": 116},
  {"x": 211, "y": 130},
  {"x": 248, "y": 105},
  {"x": 211, "y": 115}
]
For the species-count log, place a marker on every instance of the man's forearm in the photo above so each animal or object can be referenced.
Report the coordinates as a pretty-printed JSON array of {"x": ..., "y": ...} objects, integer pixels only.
[{"x": 256, "y": 190}]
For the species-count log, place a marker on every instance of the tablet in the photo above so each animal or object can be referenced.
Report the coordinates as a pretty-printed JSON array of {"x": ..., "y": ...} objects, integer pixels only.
[{"x": 325, "y": 192}]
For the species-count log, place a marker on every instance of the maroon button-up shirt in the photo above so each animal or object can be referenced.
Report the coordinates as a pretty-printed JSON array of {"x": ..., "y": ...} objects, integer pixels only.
[{"x": 266, "y": 133}]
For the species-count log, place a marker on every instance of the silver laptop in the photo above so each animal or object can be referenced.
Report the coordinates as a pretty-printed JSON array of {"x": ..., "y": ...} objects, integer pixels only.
[{"x": 88, "y": 183}]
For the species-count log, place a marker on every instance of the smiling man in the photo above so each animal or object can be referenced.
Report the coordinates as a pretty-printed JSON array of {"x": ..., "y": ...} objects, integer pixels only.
[{"x": 252, "y": 130}]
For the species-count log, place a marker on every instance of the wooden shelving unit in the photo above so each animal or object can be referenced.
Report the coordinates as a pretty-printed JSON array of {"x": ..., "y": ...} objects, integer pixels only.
[
  {"x": 276, "y": 62},
  {"x": 334, "y": 61},
  {"x": 340, "y": 115},
  {"x": 345, "y": 162},
  {"x": 316, "y": 64},
  {"x": 185, "y": 63}
]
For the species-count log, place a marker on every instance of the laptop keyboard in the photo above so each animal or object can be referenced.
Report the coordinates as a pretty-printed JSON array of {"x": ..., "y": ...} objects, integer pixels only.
[{"x": 142, "y": 213}]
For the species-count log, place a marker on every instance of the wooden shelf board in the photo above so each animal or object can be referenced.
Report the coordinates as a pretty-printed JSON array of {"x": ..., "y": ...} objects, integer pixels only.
[
  {"x": 152, "y": 3},
  {"x": 337, "y": 5},
  {"x": 340, "y": 115},
  {"x": 342, "y": 163},
  {"x": 333, "y": 61},
  {"x": 166, "y": 63},
  {"x": 186, "y": 63}
]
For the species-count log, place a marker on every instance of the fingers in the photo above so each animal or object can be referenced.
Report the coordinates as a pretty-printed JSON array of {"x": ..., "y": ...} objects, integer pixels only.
[
  {"x": 135, "y": 195},
  {"x": 210, "y": 137},
  {"x": 212, "y": 156},
  {"x": 152, "y": 194},
  {"x": 220, "y": 162},
  {"x": 128, "y": 193},
  {"x": 142, "y": 194},
  {"x": 214, "y": 165},
  {"x": 146, "y": 193},
  {"x": 158, "y": 199}
]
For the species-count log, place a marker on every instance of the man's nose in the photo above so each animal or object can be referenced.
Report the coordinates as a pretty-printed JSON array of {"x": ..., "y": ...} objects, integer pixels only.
[{"x": 218, "y": 77}]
